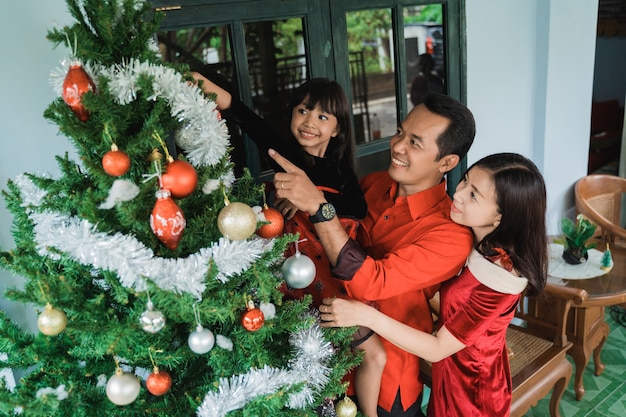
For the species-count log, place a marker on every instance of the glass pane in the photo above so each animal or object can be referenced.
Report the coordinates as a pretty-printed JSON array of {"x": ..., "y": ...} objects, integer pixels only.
[
  {"x": 371, "y": 74},
  {"x": 425, "y": 52},
  {"x": 206, "y": 50},
  {"x": 276, "y": 62},
  {"x": 277, "y": 65}
]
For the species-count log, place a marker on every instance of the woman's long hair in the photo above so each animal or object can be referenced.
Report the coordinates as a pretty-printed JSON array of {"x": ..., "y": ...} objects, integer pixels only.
[{"x": 521, "y": 199}]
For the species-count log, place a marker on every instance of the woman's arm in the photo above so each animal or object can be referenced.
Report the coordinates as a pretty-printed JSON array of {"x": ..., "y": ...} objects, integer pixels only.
[{"x": 338, "y": 312}]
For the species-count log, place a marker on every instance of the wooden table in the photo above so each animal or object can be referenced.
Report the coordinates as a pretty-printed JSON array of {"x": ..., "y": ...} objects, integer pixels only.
[{"x": 586, "y": 327}]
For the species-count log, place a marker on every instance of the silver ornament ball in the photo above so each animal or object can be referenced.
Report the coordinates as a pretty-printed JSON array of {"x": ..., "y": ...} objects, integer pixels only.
[
  {"x": 298, "y": 271},
  {"x": 123, "y": 388},
  {"x": 201, "y": 340},
  {"x": 152, "y": 321}
]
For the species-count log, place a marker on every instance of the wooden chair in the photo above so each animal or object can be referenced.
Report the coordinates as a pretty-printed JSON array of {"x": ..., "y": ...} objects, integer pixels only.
[
  {"x": 599, "y": 198},
  {"x": 537, "y": 351}
]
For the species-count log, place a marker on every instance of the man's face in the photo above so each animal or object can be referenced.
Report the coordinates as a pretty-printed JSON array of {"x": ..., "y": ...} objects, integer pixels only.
[{"x": 414, "y": 151}]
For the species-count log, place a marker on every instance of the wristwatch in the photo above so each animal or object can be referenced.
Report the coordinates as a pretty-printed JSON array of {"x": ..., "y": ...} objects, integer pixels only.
[{"x": 324, "y": 213}]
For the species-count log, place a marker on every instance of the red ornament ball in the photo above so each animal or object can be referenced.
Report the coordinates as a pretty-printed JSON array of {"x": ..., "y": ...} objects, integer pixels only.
[
  {"x": 274, "y": 227},
  {"x": 77, "y": 83},
  {"x": 115, "y": 162},
  {"x": 167, "y": 220},
  {"x": 180, "y": 178},
  {"x": 159, "y": 382},
  {"x": 253, "y": 319}
]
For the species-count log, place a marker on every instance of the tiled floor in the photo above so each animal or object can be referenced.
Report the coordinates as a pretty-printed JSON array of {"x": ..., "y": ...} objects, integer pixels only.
[{"x": 605, "y": 395}]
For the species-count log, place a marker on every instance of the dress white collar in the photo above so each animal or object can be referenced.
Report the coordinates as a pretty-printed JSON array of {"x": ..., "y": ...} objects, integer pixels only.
[{"x": 494, "y": 276}]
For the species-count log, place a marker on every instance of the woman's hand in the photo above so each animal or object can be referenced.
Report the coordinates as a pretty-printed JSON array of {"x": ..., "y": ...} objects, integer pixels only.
[{"x": 339, "y": 312}]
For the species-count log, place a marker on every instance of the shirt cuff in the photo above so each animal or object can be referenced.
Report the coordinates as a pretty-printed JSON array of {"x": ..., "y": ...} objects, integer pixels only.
[{"x": 350, "y": 259}]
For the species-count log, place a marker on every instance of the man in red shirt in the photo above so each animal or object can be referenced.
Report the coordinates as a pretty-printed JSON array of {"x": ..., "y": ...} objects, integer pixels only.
[{"x": 407, "y": 244}]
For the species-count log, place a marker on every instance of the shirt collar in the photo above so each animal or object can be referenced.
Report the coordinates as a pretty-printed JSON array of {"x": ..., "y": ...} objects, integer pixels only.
[{"x": 422, "y": 201}]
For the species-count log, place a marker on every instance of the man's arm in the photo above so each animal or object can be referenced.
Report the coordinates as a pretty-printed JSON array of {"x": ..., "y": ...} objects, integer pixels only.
[{"x": 295, "y": 186}]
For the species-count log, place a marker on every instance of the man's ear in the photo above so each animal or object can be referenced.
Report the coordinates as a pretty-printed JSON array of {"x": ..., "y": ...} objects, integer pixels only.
[{"x": 448, "y": 163}]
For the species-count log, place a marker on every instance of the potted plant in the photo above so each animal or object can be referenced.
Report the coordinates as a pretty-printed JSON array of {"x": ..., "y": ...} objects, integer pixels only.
[{"x": 574, "y": 239}]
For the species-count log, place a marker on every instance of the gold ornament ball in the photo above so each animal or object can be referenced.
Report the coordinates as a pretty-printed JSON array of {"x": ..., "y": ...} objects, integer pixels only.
[
  {"x": 237, "y": 221},
  {"x": 345, "y": 408},
  {"x": 51, "y": 321}
]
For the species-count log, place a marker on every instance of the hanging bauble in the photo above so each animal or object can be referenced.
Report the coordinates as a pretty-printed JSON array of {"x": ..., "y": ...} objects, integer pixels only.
[
  {"x": 253, "y": 319},
  {"x": 167, "y": 220},
  {"x": 236, "y": 221},
  {"x": 346, "y": 408},
  {"x": 180, "y": 178},
  {"x": 151, "y": 321},
  {"x": 275, "y": 226},
  {"x": 201, "y": 340},
  {"x": 51, "y": 321},
  {"x": 298, "y": 271},
  {"x": 158, "y": 382},
  {"x": 115, "y": 162},
  {"x": 77, "y": 83},
  {"x": 122, "y": 388}
]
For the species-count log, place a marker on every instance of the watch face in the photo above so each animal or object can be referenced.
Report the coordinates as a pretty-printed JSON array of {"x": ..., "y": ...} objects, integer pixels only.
[{"x": 328, "y": 211}]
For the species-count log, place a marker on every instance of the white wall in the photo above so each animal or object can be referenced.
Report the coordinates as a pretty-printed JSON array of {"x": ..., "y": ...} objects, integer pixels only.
[
  {"x": 28, "y": 142},
  {"x": 530, "y": 74},
  {"x": 530, "y": 80}
]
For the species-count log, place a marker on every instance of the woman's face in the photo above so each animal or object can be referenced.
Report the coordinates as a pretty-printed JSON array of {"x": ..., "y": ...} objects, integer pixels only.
[
  {"x": 313, "y": 128},
  {"x": 475, "y": 203}
]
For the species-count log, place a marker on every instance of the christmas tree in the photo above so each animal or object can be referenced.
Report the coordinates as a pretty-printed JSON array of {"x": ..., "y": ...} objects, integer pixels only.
[{"x": 155, "y": 294}]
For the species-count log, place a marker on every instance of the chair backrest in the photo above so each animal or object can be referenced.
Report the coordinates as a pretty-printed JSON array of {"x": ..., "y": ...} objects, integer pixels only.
[
  {"x": 546, "y": 315},
  {"x": 599, "y": 198}
]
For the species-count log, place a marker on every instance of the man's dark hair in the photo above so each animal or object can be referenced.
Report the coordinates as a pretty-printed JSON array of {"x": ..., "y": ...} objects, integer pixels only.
[{"x": 459, "y": 136}]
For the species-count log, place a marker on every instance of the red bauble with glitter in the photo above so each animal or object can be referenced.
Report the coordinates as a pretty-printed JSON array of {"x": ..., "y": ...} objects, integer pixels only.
[
  {"x": 180, "y": 178},
  {"x": 275, "y": 226},
  {"x": 167, "y": 220},
  {"x": 77, "y": 83},
  {"x": 253, "y": 319},
  {"x": 115, "y": 162},
  {"x": 159, "y": 382}
]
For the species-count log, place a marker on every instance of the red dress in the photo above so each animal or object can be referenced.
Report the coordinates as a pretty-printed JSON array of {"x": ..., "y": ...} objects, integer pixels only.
[{"x": 476, "y": 307}]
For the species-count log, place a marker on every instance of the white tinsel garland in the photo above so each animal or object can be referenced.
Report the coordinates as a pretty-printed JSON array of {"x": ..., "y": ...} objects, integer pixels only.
[
  {"x": 128, "y": 257},
  {"x": 203, "y": 136},
  {"x": 307, "y": 367}
]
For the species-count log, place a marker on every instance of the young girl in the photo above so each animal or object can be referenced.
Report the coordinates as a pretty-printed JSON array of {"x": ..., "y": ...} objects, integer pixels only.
[
  {"x": 320, "y": 143},
  {"x": 502, "y": 198}
]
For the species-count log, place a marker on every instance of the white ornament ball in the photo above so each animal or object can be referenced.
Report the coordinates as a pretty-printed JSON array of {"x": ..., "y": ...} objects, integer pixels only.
[
  {"x": 298, "y": 271},
  {"x": 123, "y": 388},
  {"x": 201, "y": 340},
  {"x": 51, "y": 321},
  {"x": 237, "y": 221}
]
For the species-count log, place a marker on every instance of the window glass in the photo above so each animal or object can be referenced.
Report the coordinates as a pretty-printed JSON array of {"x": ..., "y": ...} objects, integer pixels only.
[
  {"x": 276, "y": 60},
  {"x": 425, "y": 52},
  {"x": 371, "y": 74}
]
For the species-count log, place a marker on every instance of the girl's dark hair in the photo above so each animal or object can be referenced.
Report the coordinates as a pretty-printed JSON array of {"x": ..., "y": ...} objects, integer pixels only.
[
  {"x": 331, "y": 98},
  {"x": 521, "y": 199}
]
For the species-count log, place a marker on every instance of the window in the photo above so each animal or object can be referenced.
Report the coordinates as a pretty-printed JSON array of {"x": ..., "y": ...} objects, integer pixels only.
[{"x": 262, "y": 49}]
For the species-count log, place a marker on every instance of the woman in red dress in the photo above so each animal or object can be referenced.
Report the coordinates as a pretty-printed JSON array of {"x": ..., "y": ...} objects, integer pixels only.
[{"x": 502, "y": 198}]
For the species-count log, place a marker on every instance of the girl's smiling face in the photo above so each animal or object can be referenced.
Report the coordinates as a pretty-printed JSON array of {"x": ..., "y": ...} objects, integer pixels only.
[
  {"x": 475, "y": 203},
  {"x": 313, "y": 128}
]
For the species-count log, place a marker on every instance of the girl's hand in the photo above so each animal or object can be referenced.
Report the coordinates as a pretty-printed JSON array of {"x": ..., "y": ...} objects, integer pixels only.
[
  {"x": 339, "y": 312},
  {"x": 286, "y": 208}
]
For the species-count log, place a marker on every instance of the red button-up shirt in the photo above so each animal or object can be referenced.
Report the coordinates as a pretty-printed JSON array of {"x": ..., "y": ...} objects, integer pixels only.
[{"x": 412, "y": 245}]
